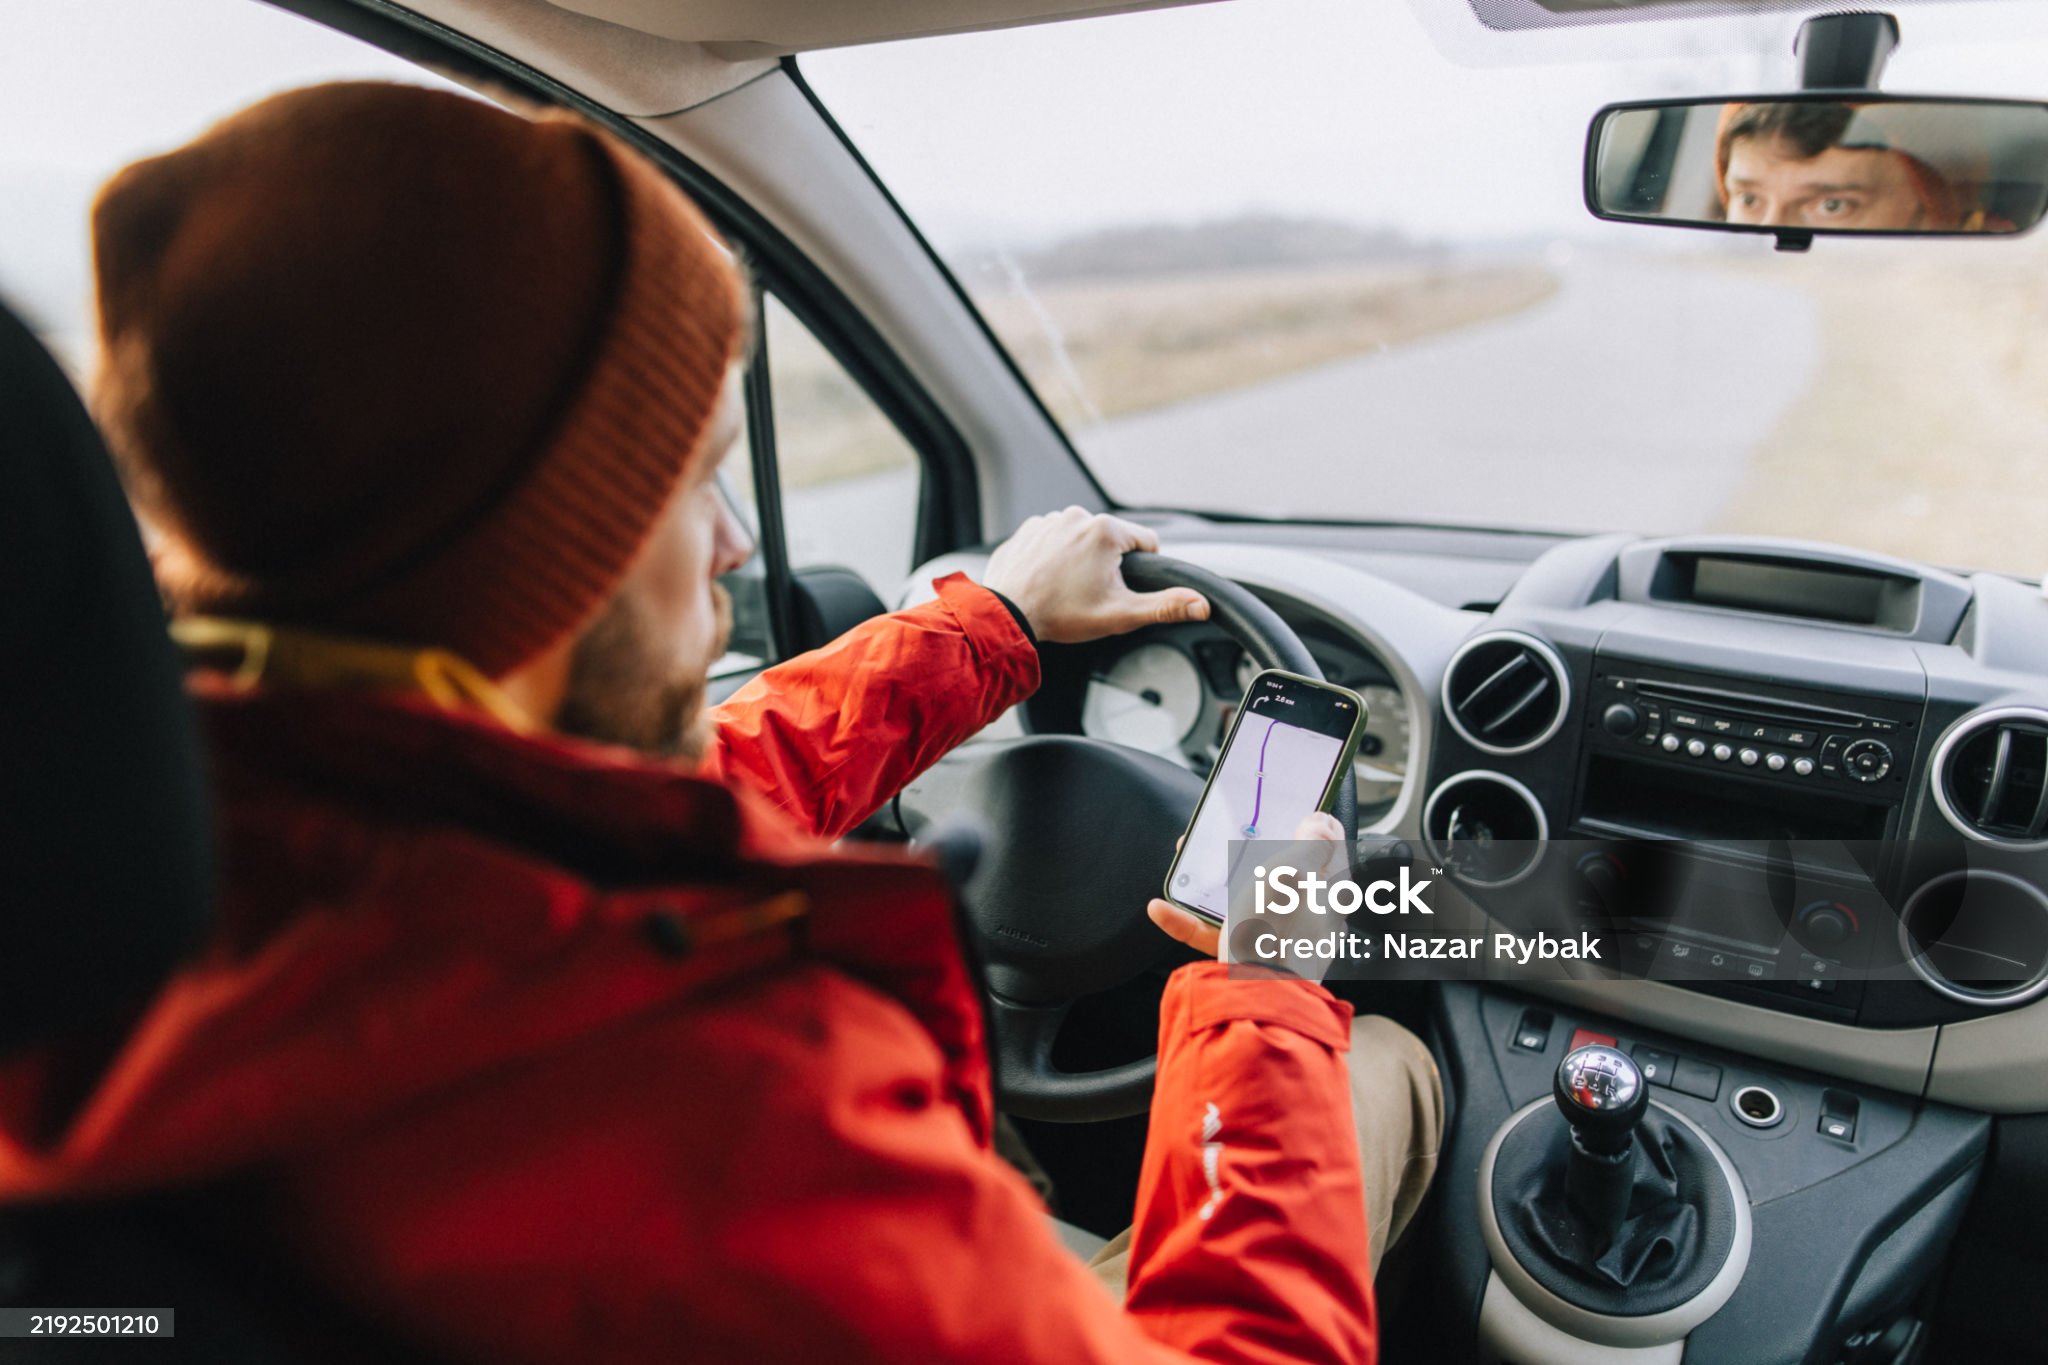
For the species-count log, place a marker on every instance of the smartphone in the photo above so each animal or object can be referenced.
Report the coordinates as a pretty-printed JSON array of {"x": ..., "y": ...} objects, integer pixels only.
[{"x": 1286, "y": 755}]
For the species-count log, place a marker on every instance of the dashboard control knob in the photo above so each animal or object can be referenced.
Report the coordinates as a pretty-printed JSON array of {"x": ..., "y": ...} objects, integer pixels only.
[
  {"x": 1696, "y": 747},
  {"x": 1867, "y": 760},
  {"x": 1601, "y": 875},
  {"x": 1825, "y": 924},
  {"x": 1670, "y": 743},
  {"x": 1621, "y": 719},
  {"x": 1803, "y": 766},
  {"x": 1723, "y": 753},
  {"x": 1748, "y": 757},
  {"x": 1775, "y": 762}
]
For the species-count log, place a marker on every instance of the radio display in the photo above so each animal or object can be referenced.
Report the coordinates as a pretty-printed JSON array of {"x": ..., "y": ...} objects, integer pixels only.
[{"x": 1764, "y": 585}]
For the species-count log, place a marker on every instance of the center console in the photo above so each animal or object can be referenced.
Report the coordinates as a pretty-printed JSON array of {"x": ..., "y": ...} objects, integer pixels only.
[
  {"x": 1803, "y": 794},
  {"x": 1762, "y": 1215},
  {"x": 1676, "y": 753},
  {"x": 1792, "y": 801}
]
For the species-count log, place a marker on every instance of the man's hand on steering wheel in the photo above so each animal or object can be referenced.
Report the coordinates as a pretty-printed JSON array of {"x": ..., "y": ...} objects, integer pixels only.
[{"x": 1064, "y": 571}]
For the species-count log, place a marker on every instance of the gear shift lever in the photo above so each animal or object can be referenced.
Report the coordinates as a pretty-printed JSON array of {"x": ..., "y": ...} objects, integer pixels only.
[
  {"x": 1601, "y": 1093},
  {"x": 1626, "y": 1209}
]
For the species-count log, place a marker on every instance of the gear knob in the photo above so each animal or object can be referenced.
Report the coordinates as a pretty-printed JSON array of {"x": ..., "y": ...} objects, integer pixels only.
[{"x": 1601, "y": 1092}]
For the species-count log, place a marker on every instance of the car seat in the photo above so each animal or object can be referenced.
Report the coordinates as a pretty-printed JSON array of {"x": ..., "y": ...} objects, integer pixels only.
[{"x": 105, "y": 881}]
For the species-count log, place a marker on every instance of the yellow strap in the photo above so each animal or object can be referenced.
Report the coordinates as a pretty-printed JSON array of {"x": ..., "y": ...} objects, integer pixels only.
[
  {"x": 287, "y": 656},
  {"x": 748, "y": 920}
]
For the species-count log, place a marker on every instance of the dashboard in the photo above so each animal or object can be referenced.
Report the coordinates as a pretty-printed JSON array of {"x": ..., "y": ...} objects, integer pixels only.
[{"x": 1727, "y": 695}]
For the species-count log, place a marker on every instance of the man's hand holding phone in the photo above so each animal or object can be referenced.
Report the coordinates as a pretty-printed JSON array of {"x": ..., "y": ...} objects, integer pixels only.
[{"x": 1324, "y": 855}]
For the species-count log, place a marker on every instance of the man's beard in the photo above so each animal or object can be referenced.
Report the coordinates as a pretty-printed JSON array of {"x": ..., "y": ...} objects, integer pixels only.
[{"x": 622, "y": 690}]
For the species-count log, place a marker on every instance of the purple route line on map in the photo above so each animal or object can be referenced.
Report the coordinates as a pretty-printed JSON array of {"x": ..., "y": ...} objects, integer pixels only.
[{"x": 1259, "y": 792}]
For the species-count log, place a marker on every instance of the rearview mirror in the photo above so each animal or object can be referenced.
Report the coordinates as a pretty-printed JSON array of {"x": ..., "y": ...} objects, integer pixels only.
[{"x": 1803, "y": 166}]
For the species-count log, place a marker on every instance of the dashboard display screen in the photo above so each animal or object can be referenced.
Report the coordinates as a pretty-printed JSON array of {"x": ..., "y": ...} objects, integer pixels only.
[
  {"x": 1757, "y": 585},
  {"x": 1286, "y": 744}
]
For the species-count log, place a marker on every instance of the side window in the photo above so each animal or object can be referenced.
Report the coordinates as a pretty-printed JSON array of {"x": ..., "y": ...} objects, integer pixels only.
[
  {"x": 751, "y": 646},
  {"x": 845, "y": 492},
  {"x": 849, "y": 480}
]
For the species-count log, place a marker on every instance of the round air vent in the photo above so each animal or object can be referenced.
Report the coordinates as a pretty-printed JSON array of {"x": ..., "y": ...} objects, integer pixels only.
[
  {"x": 1485, "y": 827},
  {"x": 1506, "y": 693},
  {"x": 1991, "y": 776},
  {"x": 1980, "y": 937}
]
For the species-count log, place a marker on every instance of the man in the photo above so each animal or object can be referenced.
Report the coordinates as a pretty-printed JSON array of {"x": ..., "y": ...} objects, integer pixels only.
[
  {"x": 1818, "y": 165},
  {"x": 528, "y": 1047}
]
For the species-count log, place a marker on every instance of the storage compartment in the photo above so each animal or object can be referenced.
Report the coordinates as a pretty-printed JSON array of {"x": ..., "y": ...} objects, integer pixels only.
[{"x": 1650, "y": 798}]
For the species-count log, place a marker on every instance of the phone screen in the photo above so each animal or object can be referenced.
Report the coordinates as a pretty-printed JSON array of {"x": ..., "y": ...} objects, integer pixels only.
[{"x": 1276, "y": 767}]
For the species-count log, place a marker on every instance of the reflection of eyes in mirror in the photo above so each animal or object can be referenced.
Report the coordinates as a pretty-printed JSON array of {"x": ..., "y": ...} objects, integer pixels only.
[
  {"x": 1832, "y": 165},
  {"x": 1826, "y": 165},
  {"x": 1771, "y": 184}
]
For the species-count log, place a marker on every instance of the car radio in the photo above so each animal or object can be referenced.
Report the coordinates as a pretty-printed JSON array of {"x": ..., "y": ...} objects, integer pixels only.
[{"x": 1768, "y": 737}]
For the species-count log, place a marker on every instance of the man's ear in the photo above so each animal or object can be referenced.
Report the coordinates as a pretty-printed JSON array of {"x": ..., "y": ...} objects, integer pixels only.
[{"x": 539, "y": 686}]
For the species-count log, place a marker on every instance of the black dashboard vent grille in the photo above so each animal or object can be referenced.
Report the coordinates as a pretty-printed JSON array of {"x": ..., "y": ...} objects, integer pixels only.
[
  {"x": 1993, "y": 775},
  {"x": 1506, "y": 693}
]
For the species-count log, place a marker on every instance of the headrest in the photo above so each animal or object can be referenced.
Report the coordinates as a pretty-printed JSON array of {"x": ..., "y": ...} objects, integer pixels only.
[{"x": 104, "y": 838}]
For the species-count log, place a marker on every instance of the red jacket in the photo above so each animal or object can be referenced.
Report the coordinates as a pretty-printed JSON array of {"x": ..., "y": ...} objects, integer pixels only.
[{"x": 545, "y": 1053}]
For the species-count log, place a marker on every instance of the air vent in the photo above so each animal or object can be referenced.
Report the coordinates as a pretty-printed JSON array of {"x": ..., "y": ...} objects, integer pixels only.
[
  {"x": 1506, "y": 693},
  {"x": 1991, "y": 776},
  {"x": 1487, "y": 828}
]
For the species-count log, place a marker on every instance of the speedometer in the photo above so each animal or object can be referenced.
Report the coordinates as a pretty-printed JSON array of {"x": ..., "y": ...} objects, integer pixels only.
[
  {"x": 1150, "y": 698},
  {"x": 1382, "y": 767}
]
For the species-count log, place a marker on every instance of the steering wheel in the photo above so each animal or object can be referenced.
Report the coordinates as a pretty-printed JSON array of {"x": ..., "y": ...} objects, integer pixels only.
[{"x": 1077, "y": 834}]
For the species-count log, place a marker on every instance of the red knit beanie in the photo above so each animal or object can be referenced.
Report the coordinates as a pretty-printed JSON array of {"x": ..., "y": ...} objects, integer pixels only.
[{"x": 395, "y": 363}]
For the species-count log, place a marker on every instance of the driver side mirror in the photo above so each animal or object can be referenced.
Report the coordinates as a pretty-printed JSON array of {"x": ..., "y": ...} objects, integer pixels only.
[{"x": 1821, "y": 164}]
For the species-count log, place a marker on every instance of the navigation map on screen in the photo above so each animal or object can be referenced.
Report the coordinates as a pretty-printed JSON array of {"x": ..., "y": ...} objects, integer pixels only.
[{"x": 1271, "y": 776}]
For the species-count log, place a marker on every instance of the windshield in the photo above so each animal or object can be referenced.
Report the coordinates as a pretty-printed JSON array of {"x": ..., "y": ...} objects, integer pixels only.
[{"x": 1285, "y": 258}]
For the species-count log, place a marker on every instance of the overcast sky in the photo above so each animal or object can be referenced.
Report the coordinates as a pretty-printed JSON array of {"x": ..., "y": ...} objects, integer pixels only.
[
  {"x": 1346, "y": 108},
  {"x": 1341, "y": 107}
]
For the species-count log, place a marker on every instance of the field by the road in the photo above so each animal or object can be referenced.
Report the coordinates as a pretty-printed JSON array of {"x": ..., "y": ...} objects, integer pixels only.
[
  {"x": 1924, "y": 431},
  {"x": 1099, "y": 349},
  {"x": 1138, "y": 344}
]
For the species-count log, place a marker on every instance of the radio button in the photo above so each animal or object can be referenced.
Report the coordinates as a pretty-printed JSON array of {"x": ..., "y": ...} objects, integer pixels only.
[
  {"x": 1748, "y": 757},
  {"x": 1723, "y": 753},
  {"x": 1696, "y": 747},
  {"x": 1803, "y": 766},
  {"x": 1719, "y": 726},
  {"x": 1670, "y": 743},
  {"x": 1867, "y": 759},
  {"x": 1685, "y": 720}
]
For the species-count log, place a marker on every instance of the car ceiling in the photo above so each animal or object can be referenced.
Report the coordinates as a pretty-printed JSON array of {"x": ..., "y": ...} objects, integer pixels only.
[{"x": 737, "y": 29}]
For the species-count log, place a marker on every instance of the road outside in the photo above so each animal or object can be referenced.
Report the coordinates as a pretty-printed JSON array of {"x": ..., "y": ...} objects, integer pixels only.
[{"x": 1561, "y": 415}]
